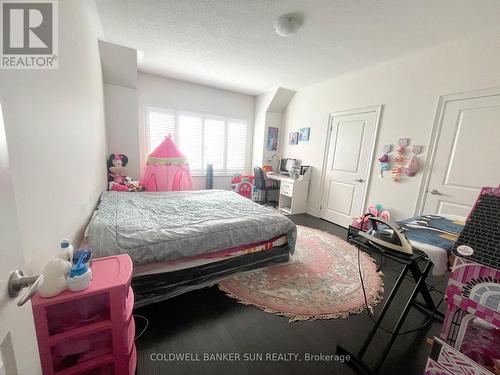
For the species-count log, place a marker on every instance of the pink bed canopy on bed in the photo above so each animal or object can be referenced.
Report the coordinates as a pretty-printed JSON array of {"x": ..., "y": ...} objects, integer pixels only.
[{"x": 167, "y": 169}]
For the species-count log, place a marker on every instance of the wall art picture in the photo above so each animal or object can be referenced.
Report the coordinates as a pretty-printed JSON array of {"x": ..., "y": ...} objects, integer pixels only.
[
  {"x": 304, "y": 134},
  {"x": 293, "y": 138},
  {"x": 272, "y": 139}
]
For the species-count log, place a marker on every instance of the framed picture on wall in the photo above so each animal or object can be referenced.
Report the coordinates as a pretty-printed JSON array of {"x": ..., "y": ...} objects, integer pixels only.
[
  {"x": 272, "y": 139},
  {"x": 304, "y": 134},
  {"x": 293, "y": 138}
]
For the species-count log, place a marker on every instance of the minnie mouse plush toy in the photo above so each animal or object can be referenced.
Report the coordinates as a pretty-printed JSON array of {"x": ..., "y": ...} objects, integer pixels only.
[{"x": 117, "y": 176}]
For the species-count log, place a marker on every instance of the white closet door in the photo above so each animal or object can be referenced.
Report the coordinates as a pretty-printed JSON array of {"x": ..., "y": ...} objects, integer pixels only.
[
  {"x": 348, "y": 160},
  {"x": 467, "y": 153}
]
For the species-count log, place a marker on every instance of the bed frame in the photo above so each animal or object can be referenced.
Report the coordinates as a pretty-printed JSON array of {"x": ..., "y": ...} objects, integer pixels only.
[{"x": 161, "y": 286}]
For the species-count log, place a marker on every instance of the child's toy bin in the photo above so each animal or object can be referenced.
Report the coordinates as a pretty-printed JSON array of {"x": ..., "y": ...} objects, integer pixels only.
[{"x": 92, "y": 331}]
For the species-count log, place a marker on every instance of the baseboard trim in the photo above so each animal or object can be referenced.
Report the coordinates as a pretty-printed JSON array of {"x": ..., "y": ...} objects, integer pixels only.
[{"x": 313, "y": 211}]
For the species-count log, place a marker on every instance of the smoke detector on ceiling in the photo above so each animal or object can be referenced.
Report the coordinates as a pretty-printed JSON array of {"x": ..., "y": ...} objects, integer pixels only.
[{"x": 286, "y": 26}]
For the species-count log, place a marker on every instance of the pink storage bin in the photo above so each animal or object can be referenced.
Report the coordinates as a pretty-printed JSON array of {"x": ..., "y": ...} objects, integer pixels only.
[
  {"x": 89, "y": 332},
  {"x": 74, "y": 314},
  {"x": 71, "y": 353},
  {"x": 104, "y": 370}
]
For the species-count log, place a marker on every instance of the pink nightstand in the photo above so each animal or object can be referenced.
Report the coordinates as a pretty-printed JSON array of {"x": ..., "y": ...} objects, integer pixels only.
[{"x": 92, "y": 331}]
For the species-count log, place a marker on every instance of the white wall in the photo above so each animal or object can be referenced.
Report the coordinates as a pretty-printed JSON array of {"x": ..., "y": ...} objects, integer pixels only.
[
  {"x": 122, "y": 129},
  {"x": 409, "y": 88},
  {"x": 269, "y": 107},
  {"x": 56, "y": 137},
  {"x": 262, "y": 103},
  {"x": 156, "y": 91},
  {"x": 274, "y": 120},
  {"x": 119, "y": 64},
  {"x": 119, "y": 74}
]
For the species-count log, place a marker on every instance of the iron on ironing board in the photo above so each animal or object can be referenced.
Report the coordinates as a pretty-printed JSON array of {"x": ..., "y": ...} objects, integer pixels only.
[{"x": 388, "y": 237}]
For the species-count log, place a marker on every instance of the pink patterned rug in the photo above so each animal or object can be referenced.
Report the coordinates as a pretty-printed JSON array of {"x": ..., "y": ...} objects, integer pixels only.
[{"x": 320, "y": 282}]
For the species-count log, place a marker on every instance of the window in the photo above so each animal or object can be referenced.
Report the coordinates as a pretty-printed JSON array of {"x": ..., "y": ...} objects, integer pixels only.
[
  {"x": 215, "y": 136},
  {"x": 160, "y": 125},
  {"x": 189, "y": 138},
  {"x": 203, "y": 138}
]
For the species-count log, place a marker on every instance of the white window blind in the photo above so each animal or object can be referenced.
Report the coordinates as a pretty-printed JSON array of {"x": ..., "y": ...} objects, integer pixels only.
[
  {"x": 190, "y": 139},
  {"x": 161, "y": 124},
  {"x": 236, "y": 144},
  {"x": 215, "y": 133},
  {"x": 202, "y": 138}
]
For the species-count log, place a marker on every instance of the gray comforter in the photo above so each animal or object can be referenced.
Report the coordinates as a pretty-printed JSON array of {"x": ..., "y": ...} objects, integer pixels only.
[{"x": 159, "y": 227}]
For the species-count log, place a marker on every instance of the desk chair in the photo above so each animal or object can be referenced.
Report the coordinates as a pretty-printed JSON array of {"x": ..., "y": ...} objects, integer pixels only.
[{"x": 262, "y": 182}]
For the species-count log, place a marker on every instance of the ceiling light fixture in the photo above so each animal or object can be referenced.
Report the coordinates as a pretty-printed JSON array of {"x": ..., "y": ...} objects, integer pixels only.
[{"x": 286, "y": 26}]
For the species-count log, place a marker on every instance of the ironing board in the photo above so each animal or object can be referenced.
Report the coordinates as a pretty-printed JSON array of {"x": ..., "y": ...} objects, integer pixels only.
[
  {"x": 418, "y": 266},
  {"x": 435, "y": 235}
]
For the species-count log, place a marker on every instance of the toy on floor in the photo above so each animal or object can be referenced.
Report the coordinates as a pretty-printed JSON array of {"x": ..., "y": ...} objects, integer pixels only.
[
  {"x": 243, "y": 185},
  {"x": 375, "y": 210},
  {"x": 117, "y": 175},
  {"x": 472, "y": 323}
]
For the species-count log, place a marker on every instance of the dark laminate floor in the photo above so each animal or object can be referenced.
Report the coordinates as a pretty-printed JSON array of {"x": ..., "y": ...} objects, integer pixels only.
[{"x": 206, "y": 321}]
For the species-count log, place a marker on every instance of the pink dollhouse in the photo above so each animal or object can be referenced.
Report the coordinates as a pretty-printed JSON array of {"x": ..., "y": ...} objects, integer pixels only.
[{"x": 471, "y": 330}]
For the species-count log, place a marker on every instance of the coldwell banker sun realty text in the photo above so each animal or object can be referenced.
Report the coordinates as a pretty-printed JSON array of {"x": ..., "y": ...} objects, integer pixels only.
[{"x": 29, "y": 34}]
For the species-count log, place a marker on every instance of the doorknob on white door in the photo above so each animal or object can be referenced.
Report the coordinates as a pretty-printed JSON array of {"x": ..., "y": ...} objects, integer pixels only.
[
  {"x": 359, "y": 180},
  {"x": 435, "y": 192},
  {"x": 17, "y": 282}
]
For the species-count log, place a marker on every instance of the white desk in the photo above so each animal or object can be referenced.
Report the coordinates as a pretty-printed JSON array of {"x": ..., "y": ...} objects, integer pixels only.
[{"x": 293, "y": 192}]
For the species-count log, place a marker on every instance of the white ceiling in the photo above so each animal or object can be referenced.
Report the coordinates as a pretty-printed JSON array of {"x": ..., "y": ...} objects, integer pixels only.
[{"x": 231, "y": 44}]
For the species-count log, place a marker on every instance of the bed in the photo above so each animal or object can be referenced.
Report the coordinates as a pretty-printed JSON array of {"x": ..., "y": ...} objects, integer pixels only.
[{"x": 180, "y": 241}]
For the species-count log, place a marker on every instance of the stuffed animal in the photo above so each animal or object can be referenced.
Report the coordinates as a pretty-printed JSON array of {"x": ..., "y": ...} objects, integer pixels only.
[
  {"x": 54, "y": 278},
  {"x": 376, "y": 210},
  {"x": 117, "y": 175}
]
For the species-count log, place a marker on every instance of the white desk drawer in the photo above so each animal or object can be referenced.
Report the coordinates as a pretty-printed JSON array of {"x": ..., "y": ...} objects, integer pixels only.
[
  {"x": 286, "y": 185},
  {"x": 286, "y": 190}
]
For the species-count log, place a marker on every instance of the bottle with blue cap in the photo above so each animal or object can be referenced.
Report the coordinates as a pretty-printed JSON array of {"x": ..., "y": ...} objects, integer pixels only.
[
  {"x": 79, "y": 275},
  {"x": 66, "y": 250}
]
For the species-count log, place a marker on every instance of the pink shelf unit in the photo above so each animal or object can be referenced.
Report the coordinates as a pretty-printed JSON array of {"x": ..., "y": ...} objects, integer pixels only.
[{"x": 92, "y": 331}]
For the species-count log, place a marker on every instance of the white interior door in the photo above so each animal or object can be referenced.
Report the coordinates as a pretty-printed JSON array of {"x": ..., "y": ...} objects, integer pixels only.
[
  {"x": 467, "y": 152},
  {"x": 18, "y": 351},
  {"x": 348, "y": 161}
]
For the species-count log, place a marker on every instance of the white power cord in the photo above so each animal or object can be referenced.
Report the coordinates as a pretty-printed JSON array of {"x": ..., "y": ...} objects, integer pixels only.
[{"x": 145, "y": 327}]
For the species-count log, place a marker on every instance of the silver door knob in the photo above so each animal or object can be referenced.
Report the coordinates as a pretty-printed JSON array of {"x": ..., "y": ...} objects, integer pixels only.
[
  {"x": 17, "y": 282},
  {"x": 435, "y": 192},
  {"x": 359, "y": 180}
]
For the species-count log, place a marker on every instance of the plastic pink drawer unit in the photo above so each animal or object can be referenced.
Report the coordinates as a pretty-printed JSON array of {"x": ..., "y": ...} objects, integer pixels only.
[{"x": 92, "y": 331}]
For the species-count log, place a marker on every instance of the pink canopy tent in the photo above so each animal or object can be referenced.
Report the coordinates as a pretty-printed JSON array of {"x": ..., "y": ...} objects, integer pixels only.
[{"x": 167, "y": 169}]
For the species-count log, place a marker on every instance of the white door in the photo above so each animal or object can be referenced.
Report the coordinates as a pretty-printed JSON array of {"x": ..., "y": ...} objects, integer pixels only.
[
  {"x": 347, "y": 164},
  {"x": 466, "y": 154},
  {"x": 18, "y": 351}
]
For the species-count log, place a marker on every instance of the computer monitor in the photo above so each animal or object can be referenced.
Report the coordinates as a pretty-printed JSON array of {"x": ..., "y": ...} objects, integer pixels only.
[{"x": 287, "y": 165}]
